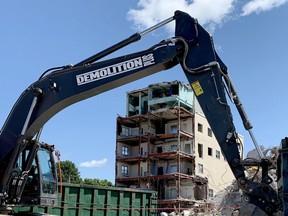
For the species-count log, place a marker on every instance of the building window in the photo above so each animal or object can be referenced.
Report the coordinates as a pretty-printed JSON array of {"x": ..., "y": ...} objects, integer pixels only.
[
  {"x": 210, "y": 193},
  {"x": 209, "y": 132},
  {"x": 125, "y": 131},
  {"x": 200, "y": 168},
  {"x": 125, "y": 150},
  {"x": 200, "y": 127},
  {"x": 124, "y": 170},
  {"x": 210, "y": 152},
  {"x": 173, "y": 147},
  {"x": 217, "y": 154},
  {"x": 184, "y": 127},
  {"x": 187, "y": 149},
  {"x": 173, "y": 129},
  {"x": 200, "y": 150}
]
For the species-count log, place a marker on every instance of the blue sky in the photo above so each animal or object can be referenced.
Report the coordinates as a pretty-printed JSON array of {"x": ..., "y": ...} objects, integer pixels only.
[{"x": 250, "y": 37}]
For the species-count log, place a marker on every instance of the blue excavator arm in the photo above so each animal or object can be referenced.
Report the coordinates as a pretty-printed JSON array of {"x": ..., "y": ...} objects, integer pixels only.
[{"x": 192, "y": 48}]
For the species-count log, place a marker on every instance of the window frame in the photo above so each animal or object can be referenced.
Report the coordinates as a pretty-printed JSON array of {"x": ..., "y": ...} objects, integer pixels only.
[
  {"x": 200, "y": 154},
  {"x": 210, "y": 151},
  {"x": 210, "y": 193},
  {"x": 125, "y": 151},
  {"x": 124, "y": 170},
  {"x": 200, "y": 168},
  {"x": 200, "y": 127},
  {"x": 217, "y": 154},
  {"x": 209, "y": 132},
  {"x": 173, "y": 129}
]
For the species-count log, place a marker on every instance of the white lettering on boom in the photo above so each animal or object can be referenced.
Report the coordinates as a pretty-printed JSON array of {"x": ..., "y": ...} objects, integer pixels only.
[{"x": 112, "y": 70}]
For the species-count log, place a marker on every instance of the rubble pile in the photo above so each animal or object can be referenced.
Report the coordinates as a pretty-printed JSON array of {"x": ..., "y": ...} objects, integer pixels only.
[
  {"x": 191, "y": 212},
  {"x": 229, "y": 202}
]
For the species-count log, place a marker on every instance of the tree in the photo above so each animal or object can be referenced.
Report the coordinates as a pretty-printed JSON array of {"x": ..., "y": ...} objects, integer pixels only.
[
  {"x": 69, "y": 172},
  {"x": 98, "y": 182}
]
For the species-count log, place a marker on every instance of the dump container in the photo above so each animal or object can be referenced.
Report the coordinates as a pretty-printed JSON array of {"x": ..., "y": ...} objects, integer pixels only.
[{"x": 89, "y": 200}]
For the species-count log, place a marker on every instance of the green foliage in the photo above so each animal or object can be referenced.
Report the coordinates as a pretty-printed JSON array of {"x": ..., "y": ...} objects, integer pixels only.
[
  {"x": 69, "y": 172},
  {"x": 97, "y": 182}
]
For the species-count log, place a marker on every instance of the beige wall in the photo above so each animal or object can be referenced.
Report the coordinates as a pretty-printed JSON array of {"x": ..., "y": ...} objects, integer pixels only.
[
  {"x": 146, "y": 128},
  {"x": 144, "y": 147},
  {"x": 143, "y": 168},
  {"x": 186, "y": 190},
  {"x": 215, "y": 169},
  {"x": 184, "y": 125},
  {"x": 132, "y": 150}
]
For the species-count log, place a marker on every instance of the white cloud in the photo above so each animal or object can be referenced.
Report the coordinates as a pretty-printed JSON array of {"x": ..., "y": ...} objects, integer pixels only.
[
  {"x": 207, "y": 12},
  {"x": 94, "y": 163},
  {"x": 258, "y": 6}
]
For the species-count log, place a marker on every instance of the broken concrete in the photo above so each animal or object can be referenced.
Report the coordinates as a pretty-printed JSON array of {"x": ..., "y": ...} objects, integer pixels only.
[{"x": 229, "y": 201}]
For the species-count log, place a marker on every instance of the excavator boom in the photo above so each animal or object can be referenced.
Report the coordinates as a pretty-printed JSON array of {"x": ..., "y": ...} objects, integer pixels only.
[{"x": 21, "y": 153}]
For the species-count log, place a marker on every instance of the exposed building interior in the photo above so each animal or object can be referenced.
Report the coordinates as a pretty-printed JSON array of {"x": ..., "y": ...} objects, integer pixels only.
[{"x": 155, "y": 145}]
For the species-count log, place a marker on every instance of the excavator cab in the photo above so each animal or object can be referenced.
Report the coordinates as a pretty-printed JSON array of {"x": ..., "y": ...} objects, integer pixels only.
[{"x": 39, "y": 178}]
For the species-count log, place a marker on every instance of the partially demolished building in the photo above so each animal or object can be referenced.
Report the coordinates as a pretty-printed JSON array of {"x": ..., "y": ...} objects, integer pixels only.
[{"x": 164, "y": 143}]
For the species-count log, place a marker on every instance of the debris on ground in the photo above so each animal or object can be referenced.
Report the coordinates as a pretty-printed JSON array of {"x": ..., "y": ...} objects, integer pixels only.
[{"x": 229, "y": 202}]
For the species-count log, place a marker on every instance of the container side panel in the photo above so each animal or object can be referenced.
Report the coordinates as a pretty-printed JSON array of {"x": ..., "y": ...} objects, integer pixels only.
[{"x": 80, "y": 200}]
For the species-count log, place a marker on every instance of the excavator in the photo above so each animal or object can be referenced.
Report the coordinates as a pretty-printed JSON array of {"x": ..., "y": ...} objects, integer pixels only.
[{"x": 27, "y": 167}]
